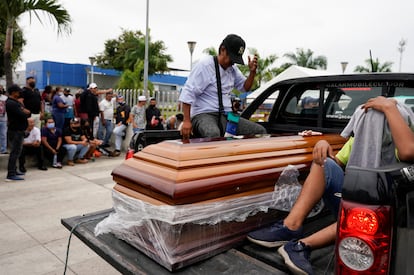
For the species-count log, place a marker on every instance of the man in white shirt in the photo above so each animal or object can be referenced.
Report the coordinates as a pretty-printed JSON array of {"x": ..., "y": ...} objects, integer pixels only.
[
  {"x": 31, "y": 146},
  {"x": 106, "y": 111},
  {"x": 137, "y": 115},
  {"x": 201, "y": 103}
]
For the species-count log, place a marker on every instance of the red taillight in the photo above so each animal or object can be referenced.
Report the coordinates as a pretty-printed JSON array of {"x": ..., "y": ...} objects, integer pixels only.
[
  {"x": 129, "y": 154},
  {"x": 362, "y": 220},
  {"x": 363, "y": 243}
]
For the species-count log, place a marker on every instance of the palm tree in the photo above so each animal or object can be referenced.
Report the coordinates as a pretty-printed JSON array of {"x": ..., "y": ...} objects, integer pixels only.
[
  {"x": 305, "y": 59},
  {"x": 11, "y": 11},
  {"x": 374, "y": 66}
]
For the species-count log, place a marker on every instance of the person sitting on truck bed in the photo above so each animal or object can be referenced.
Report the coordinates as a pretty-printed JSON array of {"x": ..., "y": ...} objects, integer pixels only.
[
  {"x": 324, "y": 180},
  {"x": 199, "y": 94}
]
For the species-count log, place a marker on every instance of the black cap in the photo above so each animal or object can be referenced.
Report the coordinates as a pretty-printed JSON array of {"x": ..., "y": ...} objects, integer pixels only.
[
  {"x": 14, "y": 88},
  {"x": 235, "y": 46}
]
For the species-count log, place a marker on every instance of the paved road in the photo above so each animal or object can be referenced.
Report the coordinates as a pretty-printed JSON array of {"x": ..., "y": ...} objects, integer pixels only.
[{"x": 32, "y": 239}]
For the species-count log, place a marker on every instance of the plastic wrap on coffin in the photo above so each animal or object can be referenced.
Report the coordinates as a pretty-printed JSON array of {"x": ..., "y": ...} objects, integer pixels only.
[{"x": 177, "y": 236}]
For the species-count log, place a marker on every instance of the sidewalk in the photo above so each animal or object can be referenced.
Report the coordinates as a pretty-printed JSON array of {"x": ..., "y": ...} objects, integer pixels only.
[{"x": 32, "y": 239}]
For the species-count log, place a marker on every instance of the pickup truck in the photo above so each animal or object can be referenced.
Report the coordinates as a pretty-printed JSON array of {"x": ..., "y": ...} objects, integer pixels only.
[{"x": 334, "y": 99}]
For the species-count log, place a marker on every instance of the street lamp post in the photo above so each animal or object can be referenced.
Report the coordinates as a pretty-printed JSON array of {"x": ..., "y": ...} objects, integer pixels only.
[
  {"x": 92, "y": 59},
  {"x": 191, "y": 46},
  {"x": 401, "y": 49},
  {"x": 48, "y": 78},
  {"x": 343, "y": 65}
]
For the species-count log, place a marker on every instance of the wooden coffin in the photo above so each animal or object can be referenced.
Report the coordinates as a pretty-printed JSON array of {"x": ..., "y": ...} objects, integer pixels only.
[
  {"x": 177, "y": 173},
  {"x": 227, "y": 172}
]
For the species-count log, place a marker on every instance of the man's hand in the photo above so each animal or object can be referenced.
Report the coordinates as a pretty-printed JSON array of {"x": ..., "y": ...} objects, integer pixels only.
[
  {"x": 186, "y": 129},
  {"x": 252, "y": 63},
  {"x": 379, "y": 103},
  {"x": 321, "y": 152}
]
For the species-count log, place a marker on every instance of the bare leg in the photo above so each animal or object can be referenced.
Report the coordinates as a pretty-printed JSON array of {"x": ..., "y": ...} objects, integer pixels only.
[
  {"x": 312, "y": 191},
  {"x": 322, "y": 237}
]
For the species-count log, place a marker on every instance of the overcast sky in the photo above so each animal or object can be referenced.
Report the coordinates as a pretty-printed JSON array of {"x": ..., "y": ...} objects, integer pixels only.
[{"x": 340, "y": 30}]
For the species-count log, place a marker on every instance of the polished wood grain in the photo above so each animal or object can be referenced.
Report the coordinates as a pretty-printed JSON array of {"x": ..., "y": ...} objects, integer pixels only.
[{"x": 178, "y": 173}]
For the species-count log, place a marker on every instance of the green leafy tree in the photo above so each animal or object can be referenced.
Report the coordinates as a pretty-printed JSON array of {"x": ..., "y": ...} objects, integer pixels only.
[
  {"x": 374, "y": 66},
  {"x": 11, "y": 10},
  {"x": 305, "y": 58},
  {"x": 128, "y": 50},
  {"x": 210, "y": 51},
  {"x": 18, "y": 44}
]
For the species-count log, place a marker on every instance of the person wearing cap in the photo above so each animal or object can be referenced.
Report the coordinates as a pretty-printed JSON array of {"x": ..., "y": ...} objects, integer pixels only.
[
  {"x": 309, "y": 106},
  {"x": 137, "y": 115},
  {"x": 106, "y": 110},
  {"x": 89, "y": 103},
  {"x": 17, "y": 124},
  {"x": 75, "y": 141},
  {"x": 200, "y": 98},
  {"x": 309, "y": 102},
  {"x": 121, "y": 120},
  {"x": 89, "y": 107}
]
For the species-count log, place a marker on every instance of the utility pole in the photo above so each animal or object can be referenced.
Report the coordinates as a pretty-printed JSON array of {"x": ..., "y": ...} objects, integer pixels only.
[
  {"x": 401, "y": 49},
  {"x": 146, "y": 52}
]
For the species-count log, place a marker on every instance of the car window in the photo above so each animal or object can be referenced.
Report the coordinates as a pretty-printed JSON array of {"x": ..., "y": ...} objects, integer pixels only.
[
  {"x": 262, "y": 112},
  {"x": 405, "y": 95},
  {"x": 297, "y": 105}
]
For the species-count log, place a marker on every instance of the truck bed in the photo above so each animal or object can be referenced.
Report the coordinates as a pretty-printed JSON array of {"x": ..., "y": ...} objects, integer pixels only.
[{"x": 245, "y": 259}]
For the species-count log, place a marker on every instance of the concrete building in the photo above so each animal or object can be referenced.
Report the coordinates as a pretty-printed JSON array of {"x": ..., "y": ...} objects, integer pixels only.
[{"x": 76, "y": 76}]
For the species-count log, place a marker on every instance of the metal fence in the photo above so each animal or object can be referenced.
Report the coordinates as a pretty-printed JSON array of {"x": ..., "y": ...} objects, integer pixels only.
[{"x": 167, "y": 101}]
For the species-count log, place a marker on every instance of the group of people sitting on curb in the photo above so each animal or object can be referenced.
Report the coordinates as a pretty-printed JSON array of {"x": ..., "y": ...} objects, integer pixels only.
[{"x": 50, "y": 143}]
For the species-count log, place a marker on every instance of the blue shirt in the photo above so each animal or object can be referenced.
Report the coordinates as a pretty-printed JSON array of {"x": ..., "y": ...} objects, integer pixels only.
[{"x": 200, "y": 89}]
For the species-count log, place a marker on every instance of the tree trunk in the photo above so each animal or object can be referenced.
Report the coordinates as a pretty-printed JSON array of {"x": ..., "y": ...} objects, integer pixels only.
[{"x": 8, "y": 46}]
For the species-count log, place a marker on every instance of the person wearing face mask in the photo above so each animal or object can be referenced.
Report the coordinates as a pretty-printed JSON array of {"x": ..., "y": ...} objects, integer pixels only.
[
  {"x": 52, "y": 143},
  {"x": 32, "y": 100},
  {"x": 59, "y": 107},
  {"x": 75, "y": 141},
  {"x": 70, "y": 110},
  {"x": 121, "y": 120}
]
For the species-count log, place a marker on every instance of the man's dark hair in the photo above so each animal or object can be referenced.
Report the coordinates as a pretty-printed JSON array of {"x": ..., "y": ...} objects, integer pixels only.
[
  {"x": 13, "y": 88},
  {"x": 30, "y": 77},
  {"x": 179, "y": 116}
]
